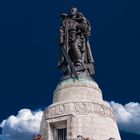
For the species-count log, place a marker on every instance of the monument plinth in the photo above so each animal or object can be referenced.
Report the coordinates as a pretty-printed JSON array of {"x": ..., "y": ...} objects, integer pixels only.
[{"x": 78, "y": 110}]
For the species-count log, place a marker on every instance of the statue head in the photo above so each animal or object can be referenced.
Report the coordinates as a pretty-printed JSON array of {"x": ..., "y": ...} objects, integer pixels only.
[{"x": 73, "y": 11}]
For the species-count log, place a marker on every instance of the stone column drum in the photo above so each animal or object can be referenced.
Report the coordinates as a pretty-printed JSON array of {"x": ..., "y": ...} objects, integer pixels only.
[{"x": 78, "y": 106}]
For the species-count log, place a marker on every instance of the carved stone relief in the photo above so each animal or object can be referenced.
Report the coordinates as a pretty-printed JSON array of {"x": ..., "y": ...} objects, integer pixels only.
[{"x": 78, "y": 108}]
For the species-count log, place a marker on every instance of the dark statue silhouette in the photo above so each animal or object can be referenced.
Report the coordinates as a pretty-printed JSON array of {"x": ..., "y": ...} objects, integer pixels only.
[{"x": 76, "y": 56}]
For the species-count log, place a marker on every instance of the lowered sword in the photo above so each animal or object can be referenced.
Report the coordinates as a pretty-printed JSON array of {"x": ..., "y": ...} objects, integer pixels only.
[{"x": 72, "y": 68}]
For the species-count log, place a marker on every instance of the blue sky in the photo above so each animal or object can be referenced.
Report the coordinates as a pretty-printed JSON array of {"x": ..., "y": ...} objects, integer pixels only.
[{"x": 29, "y": 51}]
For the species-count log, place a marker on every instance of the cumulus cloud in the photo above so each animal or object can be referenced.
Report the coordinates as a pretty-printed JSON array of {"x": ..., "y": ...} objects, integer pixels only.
[
  {"x": 26, "y": 123},
  {"x": 22, "y": 126},
  {"x": 127, "y": 116}
]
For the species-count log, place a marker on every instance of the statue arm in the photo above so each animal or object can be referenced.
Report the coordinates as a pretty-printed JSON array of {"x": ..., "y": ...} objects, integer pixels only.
[{"x": 61, "y": 35}]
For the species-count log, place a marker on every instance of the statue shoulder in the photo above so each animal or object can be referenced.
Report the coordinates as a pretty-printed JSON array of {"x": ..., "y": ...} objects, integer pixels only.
[{"x": 80, "y": 16}]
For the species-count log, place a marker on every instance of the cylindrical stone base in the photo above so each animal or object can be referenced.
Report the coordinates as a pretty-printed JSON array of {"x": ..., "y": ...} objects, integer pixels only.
[{"x": 79, "y": 108}]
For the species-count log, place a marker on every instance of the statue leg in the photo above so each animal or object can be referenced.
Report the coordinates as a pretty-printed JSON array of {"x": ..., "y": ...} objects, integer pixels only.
[{"x": 76, "y": 48}]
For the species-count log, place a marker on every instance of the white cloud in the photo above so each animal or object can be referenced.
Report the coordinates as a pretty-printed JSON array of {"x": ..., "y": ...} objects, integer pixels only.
[
  {"x": 127, "y": 116},
  {"x": 27, "y": 123},
  {"x": 22, "y": 126}
]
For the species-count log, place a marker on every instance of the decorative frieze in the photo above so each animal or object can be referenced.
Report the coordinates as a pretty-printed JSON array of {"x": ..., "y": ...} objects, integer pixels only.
[{"x": 78, "y": 108}]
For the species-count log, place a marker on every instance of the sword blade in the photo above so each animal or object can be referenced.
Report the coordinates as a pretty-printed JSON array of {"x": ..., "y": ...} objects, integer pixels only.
[{"x": 69, "y": 62}]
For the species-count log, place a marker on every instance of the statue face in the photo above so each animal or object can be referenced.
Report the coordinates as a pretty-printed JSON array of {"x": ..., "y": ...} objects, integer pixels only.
[{"x": 73, "y": 11}]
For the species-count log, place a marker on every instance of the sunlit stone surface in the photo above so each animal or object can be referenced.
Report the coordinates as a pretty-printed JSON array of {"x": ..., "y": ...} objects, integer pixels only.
[{"x": 78, "y": 106}]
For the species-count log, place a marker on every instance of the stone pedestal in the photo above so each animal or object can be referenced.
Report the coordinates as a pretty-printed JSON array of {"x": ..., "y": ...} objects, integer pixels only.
[{"x": 78, "y": 107}]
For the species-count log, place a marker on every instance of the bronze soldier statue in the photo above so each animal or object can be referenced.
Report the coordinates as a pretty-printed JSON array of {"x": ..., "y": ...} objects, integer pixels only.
[{"x": 76, "y": 56}]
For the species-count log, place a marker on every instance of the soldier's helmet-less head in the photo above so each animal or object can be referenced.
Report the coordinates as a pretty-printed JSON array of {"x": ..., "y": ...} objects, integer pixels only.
[{"x": 73, "y": 11}]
